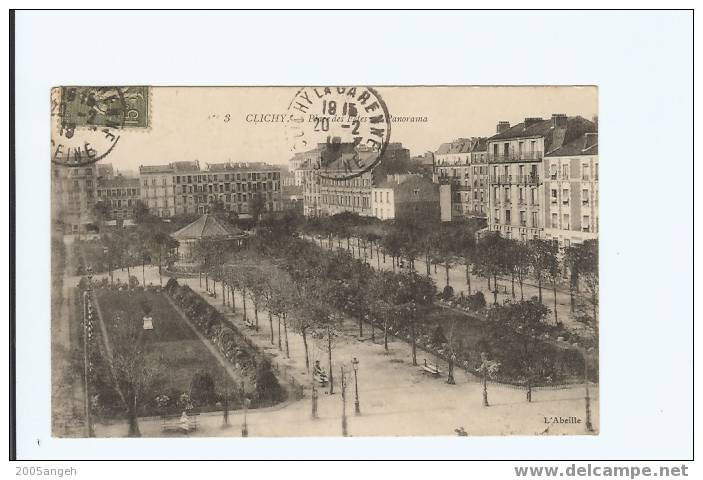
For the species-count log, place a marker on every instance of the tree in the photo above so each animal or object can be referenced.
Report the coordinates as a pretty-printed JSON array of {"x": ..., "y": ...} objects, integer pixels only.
[
  {"x": 577, "y": 258},
  {"x": 518, "y": 330},
  {"x": 141, "y": 212},
  {"x": 326, "y": 322},
  {"x": 161, "y": 242},
  {"x": 132, "y": 378},
  {"x": 546, "y": 263},
  {"x": 521, "y": 264},
  {"x": 467, "y": 249},
  {"x": 379, "y": 294},
  {"x": 541, "y": 252},
  {"x": 305, "y": 316},
  {"x": 491, "y": 262},
  {"x": 102, "y": 211},
  {"x": 589, "y": 272},
  {"x": 393, "y": 243},
  {"x": 487, "y": 369},
  {"x": 414, "y": 291},
  {"x": 257, "y": 205}
]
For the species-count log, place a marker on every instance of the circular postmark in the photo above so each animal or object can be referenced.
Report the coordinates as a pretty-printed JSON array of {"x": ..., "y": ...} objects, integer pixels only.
[
  {"x": 345, "y": 130},
  {"x": 86, "y": 123}
]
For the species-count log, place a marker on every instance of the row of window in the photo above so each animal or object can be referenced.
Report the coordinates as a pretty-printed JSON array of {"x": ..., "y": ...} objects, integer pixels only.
[
  {"x": 228, "y": 198},
  {"x": 566, "y": 225},
  {"x": 154, "y": 181},
  {"x": 346, "y": 200},
  {"x": 118, "y": 192},
  {"x": 478, "y": 158},
  {"x": 507, "y": 218},
  {"x": 522, "y": 195},
  {"x": 121, "y": 203},
  {"x": 378, "y": 197},
  {"x": 350, "y": 182},
  {"x": 207, "y": 178},
  {"x": 566, "y": 197},
  {"x": 563, "y": 171}
]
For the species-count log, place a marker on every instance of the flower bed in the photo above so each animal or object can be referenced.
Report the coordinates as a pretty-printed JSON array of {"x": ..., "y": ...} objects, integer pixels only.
[{"x": 236, "y": 347}]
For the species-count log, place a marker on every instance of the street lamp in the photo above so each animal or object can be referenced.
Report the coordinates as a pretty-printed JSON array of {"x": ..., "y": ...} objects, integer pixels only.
[{"x": 355, "y": 365}]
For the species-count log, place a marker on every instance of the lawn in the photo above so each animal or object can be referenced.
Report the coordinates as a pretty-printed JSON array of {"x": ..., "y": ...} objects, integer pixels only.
[
  {"x": 173, "y": 349},
  {"x": 470, "y": 336}
]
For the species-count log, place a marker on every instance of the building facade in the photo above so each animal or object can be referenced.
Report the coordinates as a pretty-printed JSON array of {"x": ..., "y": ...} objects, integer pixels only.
[
  {"x": 571, "y": 187},
  {"x": 405, "y": 196},
  {"x": 517, "y": 196},
  {"x": 332, "y": 191},
  {"x": 119, "y": 195},
  {"x": 462, "y": 164},
  {"x": 73, "y": 194},
  {"x": 183, "y": 187}
]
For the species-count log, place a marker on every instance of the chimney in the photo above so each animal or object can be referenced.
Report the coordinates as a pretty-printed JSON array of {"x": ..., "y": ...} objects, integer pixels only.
[
  {"x": 529, "y": 121},
  {"x": 590, "y": 139},
  {"x": 595, "y": 120},
  {"x": 559, "y": 120},
  {"x": 502, "y": 126}
]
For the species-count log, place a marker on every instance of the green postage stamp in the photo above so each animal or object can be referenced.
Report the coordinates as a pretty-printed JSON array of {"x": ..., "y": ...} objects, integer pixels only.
[{"x": 114, "y": 107}]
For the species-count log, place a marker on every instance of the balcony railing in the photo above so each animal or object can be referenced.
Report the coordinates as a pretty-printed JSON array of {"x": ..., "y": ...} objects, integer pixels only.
[
  {"x": 515, "y": 179},
  {"x": 515, "y": 157}
]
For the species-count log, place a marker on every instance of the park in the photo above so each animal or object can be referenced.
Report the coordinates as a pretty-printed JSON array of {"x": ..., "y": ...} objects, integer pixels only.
[{"x": 245, "y": 332}]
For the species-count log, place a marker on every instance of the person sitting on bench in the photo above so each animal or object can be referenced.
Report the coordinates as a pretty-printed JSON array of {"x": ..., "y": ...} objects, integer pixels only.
[
  {"x": 319, "y": 373},
  {"x": 185, "y": 423}
]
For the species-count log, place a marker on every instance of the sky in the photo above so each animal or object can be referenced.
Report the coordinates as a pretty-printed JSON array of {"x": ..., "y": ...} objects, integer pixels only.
[{"x": 210, "y": 124}]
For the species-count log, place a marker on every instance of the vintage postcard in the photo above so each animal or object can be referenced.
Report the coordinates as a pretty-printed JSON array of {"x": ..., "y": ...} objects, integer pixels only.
[{"x": 324, "y": 261}]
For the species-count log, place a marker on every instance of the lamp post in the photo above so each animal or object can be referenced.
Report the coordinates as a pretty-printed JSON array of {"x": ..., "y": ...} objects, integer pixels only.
[
  {"x": 355, "y": 364},
  {"x": 344, "y": 404}
]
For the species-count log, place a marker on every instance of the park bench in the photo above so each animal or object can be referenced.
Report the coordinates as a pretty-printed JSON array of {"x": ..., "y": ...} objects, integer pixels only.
[
  {"x": 175, "y": 424},
  {"x": 431, "y": 369}
]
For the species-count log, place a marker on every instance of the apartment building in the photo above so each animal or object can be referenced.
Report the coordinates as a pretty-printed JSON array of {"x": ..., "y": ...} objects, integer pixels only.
[
  {"x": 73, "y": 193},
  {"x": 463, "y": 165},
  {"x": 183, "y": 187},
  {"x": 402, "y": 196},
  {"x": 332, "y": 191},
  {"x": 120, "y": 194},
  {"x": 571, "y": 188},
  {"x": 517, "y": 196}
]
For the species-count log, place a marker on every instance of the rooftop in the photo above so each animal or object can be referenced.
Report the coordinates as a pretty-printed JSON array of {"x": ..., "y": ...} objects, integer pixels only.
[
  {"x": 557, "y": 131},
  {"x": 208, "y": 226},
  {"x": 462, "y": 145},
  {"x": 118, "y": 182},
  {"x": 586, "y": 144}
]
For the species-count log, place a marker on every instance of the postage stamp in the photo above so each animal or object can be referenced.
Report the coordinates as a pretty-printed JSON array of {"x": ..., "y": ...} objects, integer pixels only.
[
  {"x": 350, "y": 126},
  {"x": 88, "y": 121},
  {"x": 116, "y": 107}
]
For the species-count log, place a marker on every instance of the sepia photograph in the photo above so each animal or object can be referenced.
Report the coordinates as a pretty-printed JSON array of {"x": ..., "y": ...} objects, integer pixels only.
[{"x": 324, "y": 261}]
